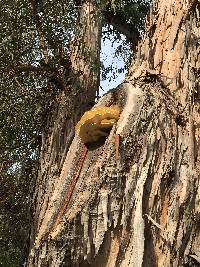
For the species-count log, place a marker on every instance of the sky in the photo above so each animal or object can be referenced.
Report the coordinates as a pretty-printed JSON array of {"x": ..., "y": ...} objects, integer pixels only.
[{"x": 109, "y": 58}]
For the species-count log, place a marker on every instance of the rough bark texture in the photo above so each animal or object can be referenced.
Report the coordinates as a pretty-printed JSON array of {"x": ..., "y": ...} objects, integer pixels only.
[
  {"x": 86, "y": 52},
  {"x": 141, "y": 208},
  {"x": 80, "y": 87}
]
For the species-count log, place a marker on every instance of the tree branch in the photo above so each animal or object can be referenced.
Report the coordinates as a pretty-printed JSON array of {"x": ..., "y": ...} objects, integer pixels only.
[
  {"x": 38, "y": 23},
  {"x": 122, "y": 26},
  {"x": 27, "y": 68}
]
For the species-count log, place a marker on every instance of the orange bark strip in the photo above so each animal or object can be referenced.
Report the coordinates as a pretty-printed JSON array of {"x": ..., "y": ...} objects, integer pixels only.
[
  {"x": 117, "y": 142},
  {"x": 70, "y": 189}
]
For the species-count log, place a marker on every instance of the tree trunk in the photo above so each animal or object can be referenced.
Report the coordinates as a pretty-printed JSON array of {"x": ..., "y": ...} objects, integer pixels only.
[
  {"x": 136, "y": 202},
  {"x": 67, "y": 104}
]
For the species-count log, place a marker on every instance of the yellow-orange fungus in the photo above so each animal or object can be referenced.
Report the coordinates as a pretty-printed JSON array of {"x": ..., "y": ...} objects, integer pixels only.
[{"x": 95, "y": 123}]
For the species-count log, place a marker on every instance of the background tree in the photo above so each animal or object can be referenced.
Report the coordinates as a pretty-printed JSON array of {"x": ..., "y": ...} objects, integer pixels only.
[
  {"x": 136, "y": 201},
  {"x": 40, "y": 79}
]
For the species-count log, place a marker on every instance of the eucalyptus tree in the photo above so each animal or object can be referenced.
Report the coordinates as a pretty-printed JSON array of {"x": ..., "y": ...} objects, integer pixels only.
[
  {"x": 50, "y": 71},
  {"x": 132, "y": 200}
]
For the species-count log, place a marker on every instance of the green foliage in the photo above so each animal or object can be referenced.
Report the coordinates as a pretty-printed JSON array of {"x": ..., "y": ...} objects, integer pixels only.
[
  {"x": 25, "y": 97},
  {"x": 131, "y": 14}
]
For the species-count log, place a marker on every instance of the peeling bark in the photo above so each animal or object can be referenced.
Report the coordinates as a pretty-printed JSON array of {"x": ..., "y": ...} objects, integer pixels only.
[
  {"x": 141, "y": 209},
  {"x": 66, "y": 107}
]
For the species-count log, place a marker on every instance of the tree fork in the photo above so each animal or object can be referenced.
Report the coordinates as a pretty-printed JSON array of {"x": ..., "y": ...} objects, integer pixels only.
[{"x": 141, "y": 208}]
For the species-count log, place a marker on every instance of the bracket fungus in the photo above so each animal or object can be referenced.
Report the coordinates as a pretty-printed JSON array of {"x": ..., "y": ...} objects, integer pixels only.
[{"x": 97, "y": 122}]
